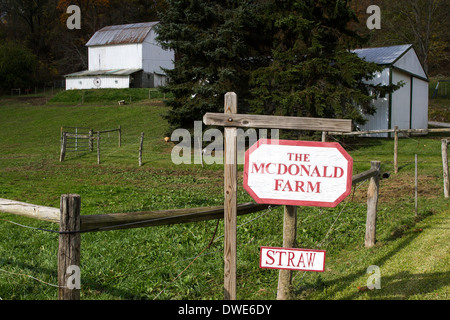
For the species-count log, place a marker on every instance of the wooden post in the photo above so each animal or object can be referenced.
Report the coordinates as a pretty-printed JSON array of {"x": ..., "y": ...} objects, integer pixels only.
[
  {"x": 396, "y": 149},
  {"x": 63, "y": 147},
  {"x": 69, "y": 247},
  {"x": 416, "y": 186},
  {"x": 98, "y": 147},
  {"x": 230, "y": 202},
  {"x": 289, "y": 241},
  {"x": 231, "y": 120},
  {"x": 76, "y": 139},
  {"x": 120, "y": 136},
  {"x": 324, "y": 136},
  {"x": 372, "y": 202},
  {"x": 91, "y": 138},
  {"x": 140, "y": 149},
  {"x": 445, "y": 167}
]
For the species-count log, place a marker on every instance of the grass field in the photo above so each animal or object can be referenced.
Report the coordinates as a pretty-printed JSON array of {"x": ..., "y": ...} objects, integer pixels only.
[{"x": 150, "y": 263}]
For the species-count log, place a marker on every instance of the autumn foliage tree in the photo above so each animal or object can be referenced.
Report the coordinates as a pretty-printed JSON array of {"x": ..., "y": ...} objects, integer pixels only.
[
  {"x": 422, "y": 23},
  {"x": 40, "y": 25}
]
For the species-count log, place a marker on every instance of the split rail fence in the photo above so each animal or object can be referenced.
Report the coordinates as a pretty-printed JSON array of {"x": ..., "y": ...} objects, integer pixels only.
[
  {"x": 75, "y": 139},
  {"x": 72, "y": 224},
  {"x": 396, "y": 131}
]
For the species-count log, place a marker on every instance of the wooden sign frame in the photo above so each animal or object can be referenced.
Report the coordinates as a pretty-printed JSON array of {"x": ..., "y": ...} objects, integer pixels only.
[
  {"x": 327, "y": 147},
  {"x": 231, "y": 120}
]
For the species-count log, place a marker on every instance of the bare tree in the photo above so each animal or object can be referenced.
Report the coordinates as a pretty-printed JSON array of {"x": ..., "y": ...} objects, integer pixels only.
[{"x": 424, "y": 23}]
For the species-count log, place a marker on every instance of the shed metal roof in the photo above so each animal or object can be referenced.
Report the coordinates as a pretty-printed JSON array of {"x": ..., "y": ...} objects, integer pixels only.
[
  {"x": 383, "y": 55},
  {"x": 121, "y": 34}
]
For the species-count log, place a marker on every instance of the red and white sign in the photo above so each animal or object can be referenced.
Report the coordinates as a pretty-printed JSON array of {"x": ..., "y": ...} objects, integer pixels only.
[
  {"x": 298, "y": 173},
  {"x": 292, "y": 259}
]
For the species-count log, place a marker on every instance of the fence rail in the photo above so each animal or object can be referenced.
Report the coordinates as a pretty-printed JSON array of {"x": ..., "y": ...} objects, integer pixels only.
[
  {"x": 30, "y": 210},
  {"x": 419, "y": 131},
  {"x": 86, "y": 140},
  {"x": 396, "y": 132},
  {"x": 128, "y": 220}
]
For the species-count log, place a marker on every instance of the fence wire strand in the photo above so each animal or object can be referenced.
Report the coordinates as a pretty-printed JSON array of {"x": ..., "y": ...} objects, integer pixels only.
[
  {"x": 34, "y": 278},
  {"x": 213, "y": 240}
]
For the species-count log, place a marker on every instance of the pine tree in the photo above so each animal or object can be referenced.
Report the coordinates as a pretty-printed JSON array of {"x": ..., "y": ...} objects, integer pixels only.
[
  {"x": 313, "y": 74},
  {"x": 283, "y": 57},
  {"x": 217, "y": 44}
]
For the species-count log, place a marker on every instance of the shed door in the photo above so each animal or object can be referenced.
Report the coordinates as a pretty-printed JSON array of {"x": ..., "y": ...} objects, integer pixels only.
[
  {"x": 419, "y": 105},
  {"x": 401, "y": 101}
]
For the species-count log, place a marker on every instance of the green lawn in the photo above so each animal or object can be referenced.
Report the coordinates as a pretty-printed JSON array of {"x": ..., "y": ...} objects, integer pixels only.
[{"x": 143, "y": 263}]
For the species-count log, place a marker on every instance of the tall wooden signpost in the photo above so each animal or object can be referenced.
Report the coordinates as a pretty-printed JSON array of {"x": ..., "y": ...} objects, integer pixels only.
[{"x": 329, "y": 172}]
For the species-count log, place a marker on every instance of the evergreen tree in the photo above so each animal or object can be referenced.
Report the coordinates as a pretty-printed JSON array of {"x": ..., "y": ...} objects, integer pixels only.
[
  {"x": 217, "y": 44},
  {"x": 313, "y": 74},
  {"x": 283, "y": 57}
]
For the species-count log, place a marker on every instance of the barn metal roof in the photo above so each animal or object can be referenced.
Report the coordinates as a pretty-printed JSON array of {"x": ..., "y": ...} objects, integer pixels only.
[
  {"x": 114, "y": 72},
  {"x": 121, "y": 34},
  {"x": 383, "y": 55}
]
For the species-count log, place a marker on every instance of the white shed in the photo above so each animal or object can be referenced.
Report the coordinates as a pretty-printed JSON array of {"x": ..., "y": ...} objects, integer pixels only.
[
  {"x": 406, "y": 107},
  {"x": 123, "y": 56}
]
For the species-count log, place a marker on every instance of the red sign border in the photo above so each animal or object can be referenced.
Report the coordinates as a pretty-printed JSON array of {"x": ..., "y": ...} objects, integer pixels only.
[
  {"x": 292, "y": 249},
  {"x": 332, "y": 145}
]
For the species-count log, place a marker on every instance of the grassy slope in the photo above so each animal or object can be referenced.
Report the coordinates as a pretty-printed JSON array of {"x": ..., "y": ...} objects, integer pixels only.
[
  {"x": 413, "y": 266},
  {"x": 141, "y": 263}
]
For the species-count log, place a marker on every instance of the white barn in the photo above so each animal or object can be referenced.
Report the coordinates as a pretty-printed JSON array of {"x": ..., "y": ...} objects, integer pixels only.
[
  {"x": 407, "y": 107},
  {"x": 123, "y": 56}
]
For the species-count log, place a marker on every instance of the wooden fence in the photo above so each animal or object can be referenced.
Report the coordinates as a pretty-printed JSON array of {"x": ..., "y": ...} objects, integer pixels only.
[
  {"x": 396, "y": 131},
  {"x": 85, "y": 139},
  {"x": 444, "y": 143},
  {"x": 72, "y": 224}
]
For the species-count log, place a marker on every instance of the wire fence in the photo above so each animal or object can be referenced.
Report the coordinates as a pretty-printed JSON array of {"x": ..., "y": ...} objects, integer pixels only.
[
  {"x": 186, "y": 263},
  {"x": 442, "y": 89},
  {"x": 332, "y": 218}
]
